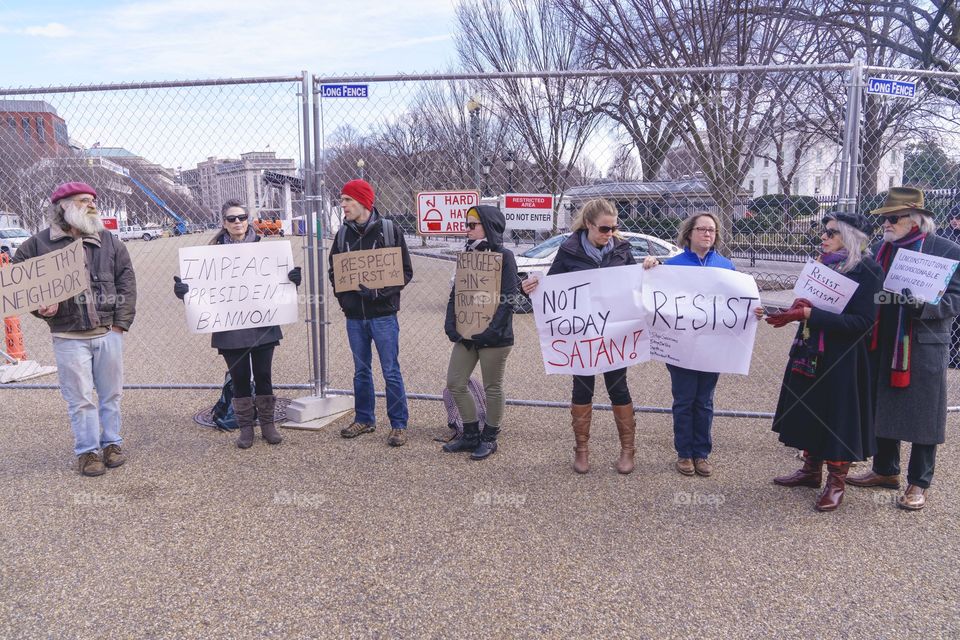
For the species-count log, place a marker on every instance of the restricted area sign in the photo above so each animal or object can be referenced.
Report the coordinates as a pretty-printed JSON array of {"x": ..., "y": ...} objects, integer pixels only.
[
  {"x": 444, "y": 213},
  {"x": 530, "y": 211}
]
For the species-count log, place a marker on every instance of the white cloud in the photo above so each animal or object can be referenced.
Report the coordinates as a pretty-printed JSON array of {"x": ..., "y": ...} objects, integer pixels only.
[{"x": 49, "y": 30}]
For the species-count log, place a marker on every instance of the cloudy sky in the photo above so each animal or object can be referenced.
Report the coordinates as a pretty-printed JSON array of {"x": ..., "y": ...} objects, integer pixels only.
[{"x": 57, "y": 42}]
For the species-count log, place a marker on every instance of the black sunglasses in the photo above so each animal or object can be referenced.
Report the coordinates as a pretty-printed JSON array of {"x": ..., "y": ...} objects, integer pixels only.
[
  {"x": 605, "y": 229},
  {"x": 472, "y": 225},
  {"x": 894, "y": 219},
  {"x": 831, "y": 233},
  {"x": 242, "y": 218}
]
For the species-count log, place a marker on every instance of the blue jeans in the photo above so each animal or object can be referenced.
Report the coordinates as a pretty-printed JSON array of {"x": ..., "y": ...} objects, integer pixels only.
[
  {"x": 384, "y": 332},
  {"x": 692, "y": 411},
  {"x": 83, "y": 365}
]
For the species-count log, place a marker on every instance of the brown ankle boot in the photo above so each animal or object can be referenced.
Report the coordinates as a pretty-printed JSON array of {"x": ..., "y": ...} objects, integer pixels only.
[
  {"x": 265, "y": 414},
  {"x": 243, "y": 408},
  {"x": 627, "y": 428},
  {"x": 809, "y": 476},
  {"x": 581, "y": 415},
  {"x": 832, "y": 494}
]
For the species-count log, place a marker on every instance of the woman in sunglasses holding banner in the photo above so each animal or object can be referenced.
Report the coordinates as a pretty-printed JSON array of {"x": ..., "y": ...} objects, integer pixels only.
[
  {"x": 826, "y": 400},
  {"x": 594, "y": 244},
  {"x": 248, "y": 350}
]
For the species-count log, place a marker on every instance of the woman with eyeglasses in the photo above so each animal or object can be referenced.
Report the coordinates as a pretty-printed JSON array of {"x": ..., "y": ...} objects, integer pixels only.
[
  {"x": 485, "y": 227},
  {"x": 595, "y": 244},
  {"x": 247, "y": 351},
  {"x": 699, "y": 235},
  {"x": 825, "y": 405}
]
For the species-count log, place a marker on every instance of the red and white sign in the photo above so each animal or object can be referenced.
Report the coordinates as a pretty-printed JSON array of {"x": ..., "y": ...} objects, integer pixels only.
[
  {"x": 110, "y": 223},
  {"x": 530, "y": 211},
  {"x": 444, "y": 213}
]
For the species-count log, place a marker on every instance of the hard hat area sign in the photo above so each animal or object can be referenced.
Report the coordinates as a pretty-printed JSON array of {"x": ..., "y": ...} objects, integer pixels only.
[
  {"x": 444, "y": 213},
  {"x": 528, "y": 211}
]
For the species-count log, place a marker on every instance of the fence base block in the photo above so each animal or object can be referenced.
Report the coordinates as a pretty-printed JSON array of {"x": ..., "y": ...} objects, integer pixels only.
[{"x": 314, "y": 412}]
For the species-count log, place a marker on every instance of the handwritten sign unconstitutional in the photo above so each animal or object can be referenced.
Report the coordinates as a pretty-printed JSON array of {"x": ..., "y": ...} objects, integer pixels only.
[
  {"x": 373, "y": 268},
  {"x": 701, "y": 318},
  {"x": 238, "y": 286},
  {"x": 591, "y": 321},
  {"x": 40, "y": 282},
  {"x": 476, "y": 290},
  {"x": 926, "y": 276},
  {"x": 825, "y": 288}
]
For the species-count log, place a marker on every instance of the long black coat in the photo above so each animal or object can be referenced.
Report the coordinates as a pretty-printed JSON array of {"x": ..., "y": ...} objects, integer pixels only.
[{"x": 831, "y": 415}]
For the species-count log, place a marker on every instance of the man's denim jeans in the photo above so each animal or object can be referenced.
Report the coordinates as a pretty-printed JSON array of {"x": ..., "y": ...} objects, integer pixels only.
[
  {"x": 384, "y": 332},
  {"x": 85, "y": 365}
]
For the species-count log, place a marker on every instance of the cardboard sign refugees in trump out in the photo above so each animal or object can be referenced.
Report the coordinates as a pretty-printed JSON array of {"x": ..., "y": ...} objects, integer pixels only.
[
  {"x": 238, "y": 286},
  {"x": 42, "y": 281},
  {"x": 476, "y": 290}
]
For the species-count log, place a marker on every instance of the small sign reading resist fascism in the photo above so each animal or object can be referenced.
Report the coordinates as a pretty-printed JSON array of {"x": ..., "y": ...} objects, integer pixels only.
[
  {"x": 373, "y": 268},
  {"x": 476, "y": 290}
]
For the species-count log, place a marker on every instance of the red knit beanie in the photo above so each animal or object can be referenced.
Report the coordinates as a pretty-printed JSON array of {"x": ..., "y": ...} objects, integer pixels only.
[{"x": 360, "y": 191}]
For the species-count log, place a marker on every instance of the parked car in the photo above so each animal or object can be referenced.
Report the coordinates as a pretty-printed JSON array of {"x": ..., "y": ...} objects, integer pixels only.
[
  {"x": 540, "y": 257},
  {"x": 144, "y": 233},
  {"x": 11, "y": 238}
]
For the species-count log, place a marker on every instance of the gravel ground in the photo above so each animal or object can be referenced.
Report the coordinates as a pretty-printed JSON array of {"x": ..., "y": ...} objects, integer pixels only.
[{"x": 324, "y": 537}]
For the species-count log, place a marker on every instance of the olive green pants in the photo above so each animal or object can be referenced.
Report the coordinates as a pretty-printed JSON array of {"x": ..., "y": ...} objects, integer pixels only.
[{"x": 493, "y": 362}]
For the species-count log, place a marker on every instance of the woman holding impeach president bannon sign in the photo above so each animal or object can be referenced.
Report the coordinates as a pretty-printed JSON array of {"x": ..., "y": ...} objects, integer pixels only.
[
  {"x": 595, "y": 244},
  {"x": 246, "y": 350}
]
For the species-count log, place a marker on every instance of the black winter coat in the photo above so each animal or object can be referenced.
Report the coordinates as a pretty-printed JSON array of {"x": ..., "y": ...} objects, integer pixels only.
[
  {"x": 832, "y": 415},
  {"x": 387, "y": 302},
  {"x": 500, "y": 331},
  {"x": 571, "y": 256}
]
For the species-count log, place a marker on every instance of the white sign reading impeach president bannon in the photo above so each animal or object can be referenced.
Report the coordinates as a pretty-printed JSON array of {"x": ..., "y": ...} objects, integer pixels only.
[{"x": 238, "y": 286}]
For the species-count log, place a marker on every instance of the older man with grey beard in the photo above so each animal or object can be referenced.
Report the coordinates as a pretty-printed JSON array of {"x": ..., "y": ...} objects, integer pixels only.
[
  {"x": 88, "y": 329},
  {"x": 910, "y": 343}
]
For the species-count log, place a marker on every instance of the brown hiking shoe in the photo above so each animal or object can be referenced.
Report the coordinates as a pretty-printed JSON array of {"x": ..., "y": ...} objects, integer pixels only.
[
  {"x": 89, "y": 464},
  {"x": 398, "y": 437},
  {"x": 357, "y": 428},
  {"x": 703, "y": 467},
  {"x": 685, "y": 466},
  {"x": 112, "y": 456}
]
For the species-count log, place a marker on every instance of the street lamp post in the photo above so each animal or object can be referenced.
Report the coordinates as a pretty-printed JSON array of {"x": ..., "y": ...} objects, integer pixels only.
[
  {"x": 510, "y": 163},
  {"x": 360, "y": 165},
  {"x": 485, "y": 167},
  {"x": 473, "y": 109}
]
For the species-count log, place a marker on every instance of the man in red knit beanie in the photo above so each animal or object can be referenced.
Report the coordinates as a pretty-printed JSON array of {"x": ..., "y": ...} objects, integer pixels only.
[{"x": 372, "y": 314}]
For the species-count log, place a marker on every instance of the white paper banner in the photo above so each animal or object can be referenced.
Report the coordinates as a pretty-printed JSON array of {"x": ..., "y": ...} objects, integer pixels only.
[
  {"x": 238, "y": 286},
  {"x": 926, "y": 276},
  {"x": 825, "y": 288},
  {"x": 591, "y": 321},
  {"x": 701, "y": 318}
]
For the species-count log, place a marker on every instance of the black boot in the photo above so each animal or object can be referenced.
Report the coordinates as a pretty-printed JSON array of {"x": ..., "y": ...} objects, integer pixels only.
[
  {"x": 467, "y": 441},
  {"x": 488, "y": 443}
]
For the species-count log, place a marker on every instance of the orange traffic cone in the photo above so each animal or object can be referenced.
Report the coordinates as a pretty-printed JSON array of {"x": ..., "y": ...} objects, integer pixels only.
[{"x": 11, "y": 325}]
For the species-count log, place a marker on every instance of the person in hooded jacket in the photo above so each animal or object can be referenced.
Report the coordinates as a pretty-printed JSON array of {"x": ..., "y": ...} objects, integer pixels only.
[
  {"x": 247, "y": 351},
  {"x": 594, "y": 244},
  {"x": 372, "y": 315},
  {"x": 485, "y": 227}
]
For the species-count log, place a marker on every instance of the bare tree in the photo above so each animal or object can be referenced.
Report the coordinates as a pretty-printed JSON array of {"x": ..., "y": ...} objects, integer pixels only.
[{"x": 624, "y": 167}]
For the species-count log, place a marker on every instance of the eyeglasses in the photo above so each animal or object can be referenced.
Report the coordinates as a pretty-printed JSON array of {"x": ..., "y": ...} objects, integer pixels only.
[
  {"x": 830, "y": 233},
  {"x": 709, "y": 230},
  {"x": 894, "y": 219},
  {"x": 472, "y": 225},
  {"x": 605, "y": 229},
  {"x": 242, "y": 218},
  {"x": 89, "y": 200}
]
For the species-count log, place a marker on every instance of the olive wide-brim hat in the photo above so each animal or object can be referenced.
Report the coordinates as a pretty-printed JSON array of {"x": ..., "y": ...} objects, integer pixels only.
[{"x": 902, "y": 199}]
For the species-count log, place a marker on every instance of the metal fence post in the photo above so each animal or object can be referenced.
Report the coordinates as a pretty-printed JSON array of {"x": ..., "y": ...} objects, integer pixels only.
[
  {"x": 847, "y": 187},
  {"x": 308, "y": 192},
  {"x": 323, "y": 221}
]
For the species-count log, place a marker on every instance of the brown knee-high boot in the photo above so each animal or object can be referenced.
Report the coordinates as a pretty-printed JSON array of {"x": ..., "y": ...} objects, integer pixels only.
[
  {"x": 810, "y": 475},
  {"x": 581, "y": 415},
  {"x": 832, "y": 494},
  {"x": 627, "y": 428}
]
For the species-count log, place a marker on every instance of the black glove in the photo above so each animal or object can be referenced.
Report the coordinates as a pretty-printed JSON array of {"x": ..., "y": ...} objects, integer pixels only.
[
  {"x": 367, "y": 293},
  {"x": 180, "y": 288},
  {"x": 294, "y": 276},
  {"x": 907, "y": 299}
]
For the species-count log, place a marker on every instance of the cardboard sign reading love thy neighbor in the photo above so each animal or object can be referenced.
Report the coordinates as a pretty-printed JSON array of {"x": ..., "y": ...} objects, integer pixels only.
[
  {"x": 591, "y": 321},
  {"x": 926, "y": 276},
  {"x": 476, "y": 290},
  {"x": 238, "y": 286},
  {"x": 825, "y": 288},
  {"x": 373, "y": 268},
  {"x": 42, "y": 281}
]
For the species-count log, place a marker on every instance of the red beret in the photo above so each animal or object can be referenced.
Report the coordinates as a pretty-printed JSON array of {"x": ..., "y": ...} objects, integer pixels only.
[
  {"x": 360, "y": 191},
  {"x": 68, "y": 189}
]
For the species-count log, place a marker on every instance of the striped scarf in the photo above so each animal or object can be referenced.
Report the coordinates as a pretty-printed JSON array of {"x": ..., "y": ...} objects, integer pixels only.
[{"x": 900, "y": 365}]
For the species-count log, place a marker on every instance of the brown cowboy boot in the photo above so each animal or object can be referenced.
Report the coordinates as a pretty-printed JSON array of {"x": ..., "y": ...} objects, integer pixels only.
[
  {"x": 581, "y": 415},
  {"x": 832, "y": 494},
  {"x": 809, "y": 476},
  {"x": 266, "y": 406},
  {"x": 243, "y": 408},
  {"x": 627, "y": 428}
]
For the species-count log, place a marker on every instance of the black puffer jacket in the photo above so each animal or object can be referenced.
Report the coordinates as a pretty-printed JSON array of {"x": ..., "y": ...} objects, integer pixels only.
[
  {"x": 387, "y": 301},
  {"x": 500, "y": 331},
  {"x": 571, "y": 256}
]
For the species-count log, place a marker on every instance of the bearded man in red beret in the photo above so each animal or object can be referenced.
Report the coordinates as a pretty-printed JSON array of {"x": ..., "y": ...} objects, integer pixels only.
[{"x": 88, "y": 329}]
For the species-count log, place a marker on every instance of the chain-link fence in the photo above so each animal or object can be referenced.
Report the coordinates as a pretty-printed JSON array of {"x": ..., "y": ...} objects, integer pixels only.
[{"x": 768, "y": 150}]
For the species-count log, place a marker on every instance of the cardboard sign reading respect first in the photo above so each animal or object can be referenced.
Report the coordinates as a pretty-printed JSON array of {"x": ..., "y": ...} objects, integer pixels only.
[{"x": 373, "y": 268}]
